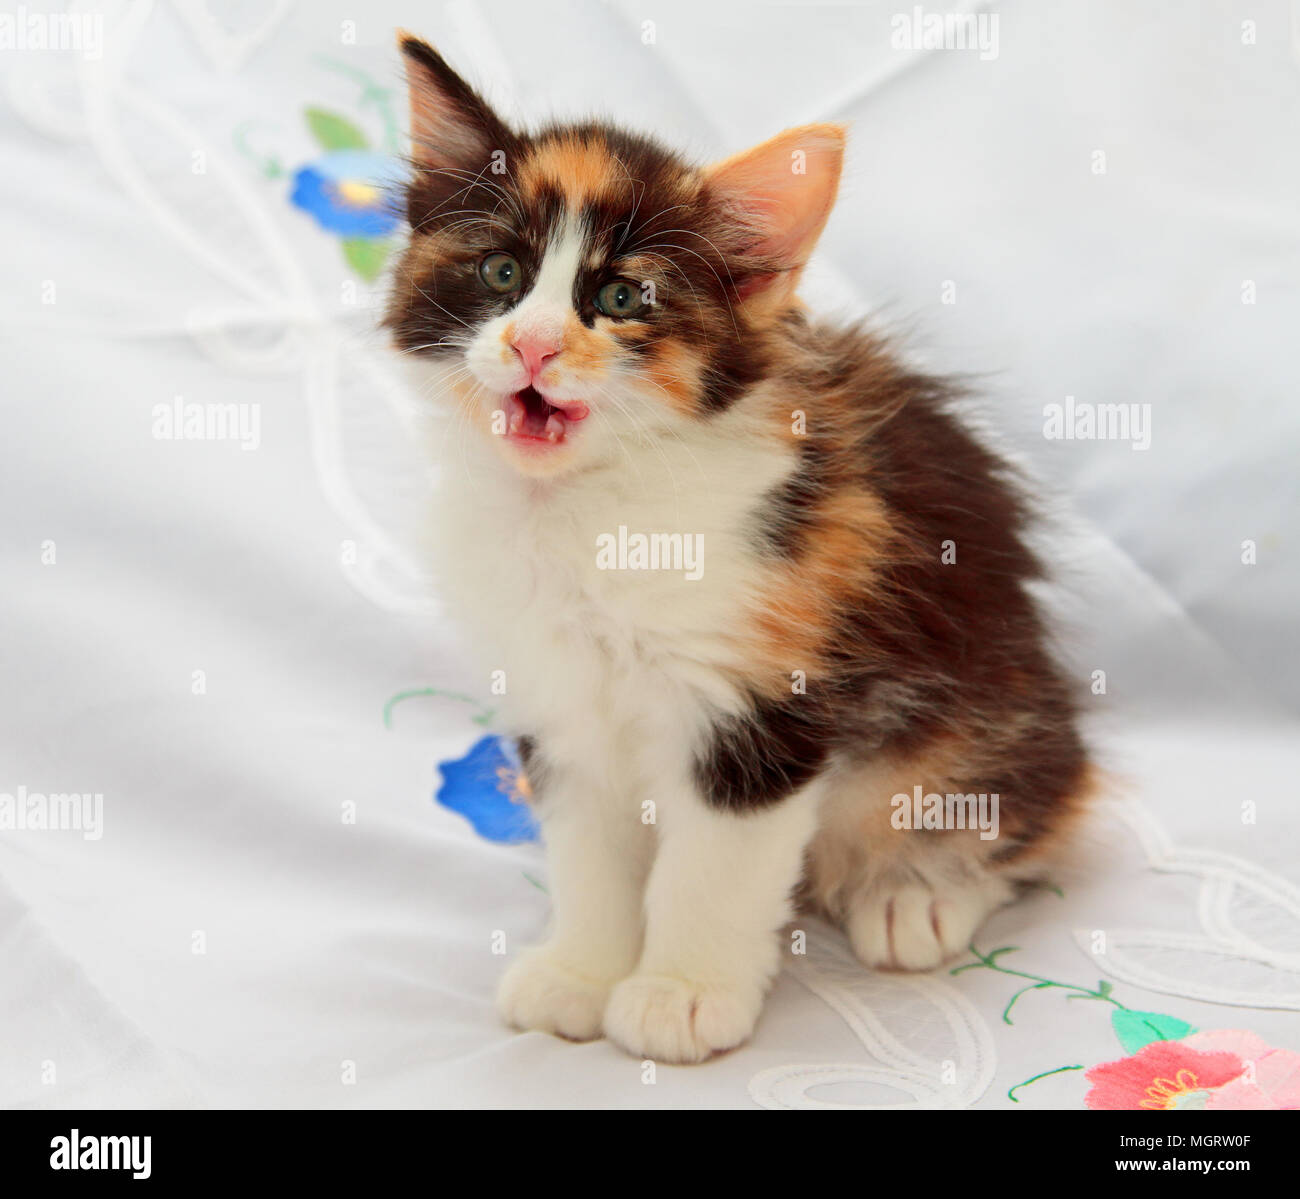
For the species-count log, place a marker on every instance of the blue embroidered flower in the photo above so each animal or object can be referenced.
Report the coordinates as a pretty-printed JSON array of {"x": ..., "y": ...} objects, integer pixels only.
[
  {"x": 488, "y": 788},
  {"x": 353, "y": 193}
]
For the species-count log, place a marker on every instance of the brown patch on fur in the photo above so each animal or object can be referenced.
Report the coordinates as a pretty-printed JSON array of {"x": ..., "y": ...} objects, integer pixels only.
[
  {"x": 432, "y": 251},
  {"x": 1047, "y": 847}
]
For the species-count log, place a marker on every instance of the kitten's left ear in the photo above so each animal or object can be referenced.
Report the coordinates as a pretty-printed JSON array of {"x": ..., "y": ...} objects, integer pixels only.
[
  {"x": 452, "y": 126},
  {"x": 780, "y": 193}
]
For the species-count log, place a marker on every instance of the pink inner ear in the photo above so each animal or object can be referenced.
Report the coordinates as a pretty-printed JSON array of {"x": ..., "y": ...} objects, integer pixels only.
[
  {"x": 786, "y": 186},
  {"x": 439, "y": 133},
  {"x": 451, "y": 125}
]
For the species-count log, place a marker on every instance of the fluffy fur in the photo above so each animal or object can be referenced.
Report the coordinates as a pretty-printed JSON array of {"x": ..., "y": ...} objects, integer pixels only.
[{"x": 704, "y": 752}]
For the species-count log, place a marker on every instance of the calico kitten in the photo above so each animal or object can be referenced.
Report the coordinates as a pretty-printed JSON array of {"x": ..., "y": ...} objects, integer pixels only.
[{"x": 617, "y": 338}]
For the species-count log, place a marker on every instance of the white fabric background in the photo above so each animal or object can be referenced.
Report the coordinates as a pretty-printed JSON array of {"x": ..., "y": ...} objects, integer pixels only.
[{"x": 330, "y": 943}]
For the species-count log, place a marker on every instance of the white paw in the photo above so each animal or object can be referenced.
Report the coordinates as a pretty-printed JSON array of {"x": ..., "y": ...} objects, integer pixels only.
[
  {"x": 539, "y": 992},
  {"x": 914, "y": 927},
  {"x": 674, "y": 1020}
]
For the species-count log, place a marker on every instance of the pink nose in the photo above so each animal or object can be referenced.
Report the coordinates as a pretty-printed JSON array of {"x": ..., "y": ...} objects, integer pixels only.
[{"x": 536, "y": 352}]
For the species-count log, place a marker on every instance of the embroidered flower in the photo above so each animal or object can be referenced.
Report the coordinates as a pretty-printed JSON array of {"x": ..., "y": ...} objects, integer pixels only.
[
  {"x": 350, "y": 192},
  {"x": 1214, "y": 1071},
  {"x": 489, "y": 789}
]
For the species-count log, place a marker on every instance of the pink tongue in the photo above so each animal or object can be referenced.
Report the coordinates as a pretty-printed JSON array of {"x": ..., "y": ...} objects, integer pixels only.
[{"x": 536, "y": 420}]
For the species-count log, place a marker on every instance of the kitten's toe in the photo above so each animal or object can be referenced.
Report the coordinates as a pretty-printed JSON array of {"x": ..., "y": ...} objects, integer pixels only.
[
  {"x": 914, "y": 927},
  {"x": 539, "y": 992},
  {"x": 676, "y": 1020}
]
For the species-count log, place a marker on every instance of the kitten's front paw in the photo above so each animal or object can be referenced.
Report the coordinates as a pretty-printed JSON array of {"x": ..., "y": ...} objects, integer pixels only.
[
  {"x": 674, "y": 1020},
  {"x": 915, "y": 928},
  {"x": 539, "y": 992}
]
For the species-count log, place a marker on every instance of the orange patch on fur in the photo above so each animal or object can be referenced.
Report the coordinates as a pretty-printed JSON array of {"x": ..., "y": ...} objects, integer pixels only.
[
  {"x": 847, "y": 538},
  {"x": 675, "y": 367},
  {"x": 585, "y": 350},
  {"x": 582, "y": 170},
  {"x": 507, "y": 343}
]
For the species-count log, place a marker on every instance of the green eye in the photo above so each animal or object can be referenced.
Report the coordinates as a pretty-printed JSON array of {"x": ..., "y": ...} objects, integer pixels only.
[
  {"x": 620, "y": 298},
  {"x": 500, "y": 272}
]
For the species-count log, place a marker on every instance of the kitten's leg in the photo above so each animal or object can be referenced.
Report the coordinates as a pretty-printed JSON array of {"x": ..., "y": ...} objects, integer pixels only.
[
  {"x": 911, "y": 898},
  {"x": 917, "y": 925},
  {"x": 598, "y": 852},
  {"x": 718, "y": 893}
]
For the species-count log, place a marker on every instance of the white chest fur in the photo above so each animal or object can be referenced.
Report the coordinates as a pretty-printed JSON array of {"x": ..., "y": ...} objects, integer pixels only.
[{"x": 595, "y": 643}]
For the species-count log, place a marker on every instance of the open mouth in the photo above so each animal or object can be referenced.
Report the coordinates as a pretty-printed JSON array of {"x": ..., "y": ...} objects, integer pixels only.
[{"x": 530, "y": 416}]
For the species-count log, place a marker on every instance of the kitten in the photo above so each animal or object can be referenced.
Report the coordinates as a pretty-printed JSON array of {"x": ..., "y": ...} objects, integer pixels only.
[{"x": 629, "y": 373}]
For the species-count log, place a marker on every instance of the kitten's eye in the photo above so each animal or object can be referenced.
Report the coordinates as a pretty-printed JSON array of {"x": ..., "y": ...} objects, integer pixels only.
[
  {"x": 620, "y": 298},
  {"x": 500, "y": 272}
]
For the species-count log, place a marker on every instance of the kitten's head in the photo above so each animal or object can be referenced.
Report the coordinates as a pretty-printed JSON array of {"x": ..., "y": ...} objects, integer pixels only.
[{"x": 579, "y": 286}]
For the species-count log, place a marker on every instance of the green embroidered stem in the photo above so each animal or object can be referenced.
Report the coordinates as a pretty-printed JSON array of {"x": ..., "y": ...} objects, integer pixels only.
[
  {"x": 1011, "y": 1094},
  {"x": 1006, "y": 1011},
  {"x": 483, "y": 718},
  {"x": 535, "y": 883},
  {"x": 989, "y": 961},
  {"x": 267, "y": 164}
]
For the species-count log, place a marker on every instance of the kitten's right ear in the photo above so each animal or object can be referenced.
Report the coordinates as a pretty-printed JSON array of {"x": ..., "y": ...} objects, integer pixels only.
[
  {"x": 452, "y": 126},
  {"x": 779, "y": 195}
]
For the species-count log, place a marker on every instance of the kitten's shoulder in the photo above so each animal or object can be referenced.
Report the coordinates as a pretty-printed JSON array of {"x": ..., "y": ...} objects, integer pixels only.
[{"x": 865, "y": 421}]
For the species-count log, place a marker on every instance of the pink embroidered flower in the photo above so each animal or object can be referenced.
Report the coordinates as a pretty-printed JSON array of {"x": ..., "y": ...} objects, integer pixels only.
[{"x": 1220, "y": 1070}]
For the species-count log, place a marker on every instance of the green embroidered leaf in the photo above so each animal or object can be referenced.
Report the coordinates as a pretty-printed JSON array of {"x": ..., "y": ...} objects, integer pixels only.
[
  {"x": 1135, "y": 1029},
  {"x": 334, "y": 132},
  {"x": 1104, "y": 989},
  {"x": 366, "y": 256}
]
